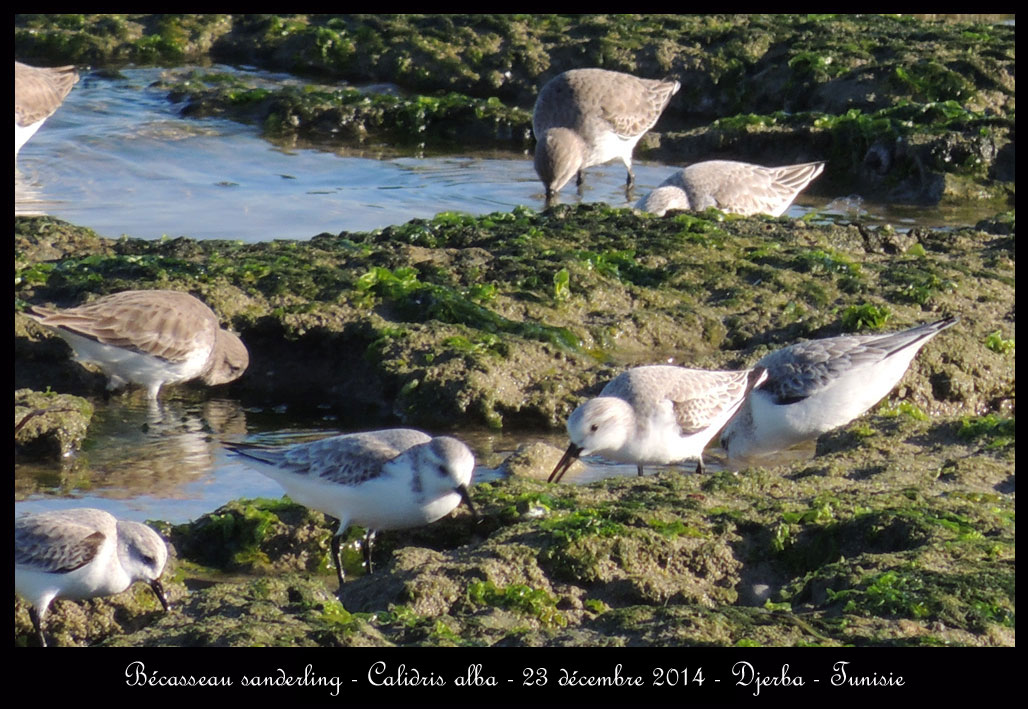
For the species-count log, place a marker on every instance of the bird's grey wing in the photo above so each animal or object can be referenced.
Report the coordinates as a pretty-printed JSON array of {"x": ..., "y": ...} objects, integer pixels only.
[
  {"x": 772, "y": 190},
  {"x": 804, "y": 369},
  {"x": 55, "y": 548},
  {"x": 39, "y": 91},
  {"x": 790, "y": 179},
  {"x": 141, "y": 323},
  {"x": 349, "y": 461},
  {"x": 750, "y": 189},
  {"x": 698, "y": 402},
  {"x": 633, "y": 107},
  {"x": 346, "y": 460}
]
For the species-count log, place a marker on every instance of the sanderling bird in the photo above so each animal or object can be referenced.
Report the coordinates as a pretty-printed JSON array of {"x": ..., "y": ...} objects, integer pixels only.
[
  {"x": 392, "y": 479},
  {"x": 38, "y": 93},
  {"x": 736, "y": 187},
  {"x": 586, "y": 117},
  {"x": 83, "y": 553},
  {"x": 657, "y": 414},
  {"x": 815, "y": 386},
  {"x": 149, "y": 337}
]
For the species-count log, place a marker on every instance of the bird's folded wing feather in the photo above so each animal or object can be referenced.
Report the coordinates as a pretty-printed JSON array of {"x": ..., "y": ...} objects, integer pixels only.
[
  {"x": 165, "y": 333},
  {"x": 38, "y": 546},
  {"x": 697, "y": 405}
]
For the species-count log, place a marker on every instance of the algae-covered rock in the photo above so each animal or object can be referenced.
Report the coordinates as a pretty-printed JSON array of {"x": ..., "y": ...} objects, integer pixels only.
[
  {"x": 537, "y": 460},
  {"x": 353, "y": 116},
  {"x": 252, "y": 535},
  {"x": 284, "y": 610},
  {"x": 49, "y": 425},
  {"x": 900, "y": 529},
  {"x": 727, "y": 63},
  {"x": 513, "y": 319}
]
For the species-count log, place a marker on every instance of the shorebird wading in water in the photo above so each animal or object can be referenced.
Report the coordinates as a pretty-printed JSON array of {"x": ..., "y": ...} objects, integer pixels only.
[{"x": 586, "y": 117}]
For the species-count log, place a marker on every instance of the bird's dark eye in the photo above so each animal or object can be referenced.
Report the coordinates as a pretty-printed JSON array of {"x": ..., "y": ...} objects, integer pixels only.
[
  {"x": 593, "y": 428},
  {"x": 149, "y": 560},
  {"x": 442, "y": 471}
]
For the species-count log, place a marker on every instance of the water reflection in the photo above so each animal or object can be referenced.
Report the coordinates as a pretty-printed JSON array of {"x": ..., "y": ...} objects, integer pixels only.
[
  {"x": 29, "y": 199},
  {"x": 143, "y": 461}
]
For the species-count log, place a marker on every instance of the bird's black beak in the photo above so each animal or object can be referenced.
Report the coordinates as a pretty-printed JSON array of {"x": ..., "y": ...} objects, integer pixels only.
[
  {"x": 466, "y": 496},
  {"x": 570, "y": 456},
  {"x": 158, "y": 590}
]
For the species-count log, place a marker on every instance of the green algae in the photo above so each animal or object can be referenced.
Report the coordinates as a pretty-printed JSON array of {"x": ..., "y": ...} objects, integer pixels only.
[
  {"x": 534, "y": 602},
  {"x": 910, "y": 593},
  {"x": 49, "y": 425},
  {"x": 904, "y": 408},
  {"x": 251, "y": 534},
  {"x": 582, "y": 523},
  {"x": 998, "y": 428},
  {"x": 419, "y": 301},
  {"x": 865, "y": 317},
  {"x": 674, "y": 528},
  {"x": 995, "y": 342}
]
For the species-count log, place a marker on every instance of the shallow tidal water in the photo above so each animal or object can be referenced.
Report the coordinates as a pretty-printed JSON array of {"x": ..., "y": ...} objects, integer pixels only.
[
  {"x": 167, "y": 462},
  {"x": 119, "y": 159}
]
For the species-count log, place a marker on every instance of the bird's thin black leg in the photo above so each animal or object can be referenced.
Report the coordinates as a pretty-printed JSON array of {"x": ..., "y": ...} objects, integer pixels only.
[
  {"x": 639, "y": 469},
  {"x": 369, "y": 538},
  {"x": 336, "y": 539},
  {"x": 579, "y": 179},
  {"x": 700, "y": 467}
]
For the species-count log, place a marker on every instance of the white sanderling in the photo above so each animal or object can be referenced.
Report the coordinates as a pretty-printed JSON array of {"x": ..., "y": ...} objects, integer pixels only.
[
  {"x": 38, "y": 93},
  {"x": 149, "y": 337},
  {"x": 379, "y": 480},
  {"x": 657, "y": 414},
  {"x": 815, "y": 386},
  {"x": 586, "y": 117},
  {"x": 83, "y": 553},
  {"x": 736, "y": 187}
]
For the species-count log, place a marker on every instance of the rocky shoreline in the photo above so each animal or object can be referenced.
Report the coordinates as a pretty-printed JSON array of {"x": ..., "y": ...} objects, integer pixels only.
[{"x": 900, "y": 530}]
